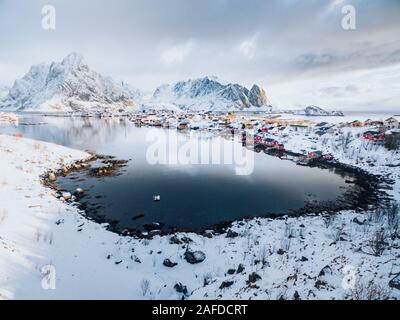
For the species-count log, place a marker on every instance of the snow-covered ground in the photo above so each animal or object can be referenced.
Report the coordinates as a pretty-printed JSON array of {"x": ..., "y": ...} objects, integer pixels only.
[
  {"x": 348, "y": 147},
  {"x": 311, "y": 257}
]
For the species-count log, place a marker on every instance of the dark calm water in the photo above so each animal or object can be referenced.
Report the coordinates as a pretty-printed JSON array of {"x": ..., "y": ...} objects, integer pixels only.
[{"x": 192, "y": 196}]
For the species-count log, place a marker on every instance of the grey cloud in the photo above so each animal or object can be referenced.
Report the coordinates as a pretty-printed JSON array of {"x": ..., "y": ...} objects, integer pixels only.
[
  {"x": 126, "y": 39},
  {"x": 340, "y": 91}
]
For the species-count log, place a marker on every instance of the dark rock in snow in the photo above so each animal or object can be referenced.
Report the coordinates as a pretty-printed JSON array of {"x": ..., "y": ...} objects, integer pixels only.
[
  {"x": 208, "y": 234},
  {"x": 240, "y": 268},
  {"x": 168, "y": 263},
  {"x": 175, "y": 240},
  {"x": 144, "y": 234},
  {"x": 320, "y": 284},
  {"x": 325, "y": 270},
  {"x": 194, "y": 257},
  {"x": 359, "y": 222},
  {"x": 180, "y": 288},
  {"x": 231, "y": 234},
  {"x": 231, "y": 271},
  {"x": 226, "y": 284},
  {"x": 296, "y": 296},
  {"x": 186, "y": 240},
  {"x": 303, "y": 259},
  {"x": 395, "y": 282},
  {"x": 154, "y": 233},
  {"x": 58, "y": 222},
  {"x": 281, "y": 252},
  {"x": 254, "y": 277}
]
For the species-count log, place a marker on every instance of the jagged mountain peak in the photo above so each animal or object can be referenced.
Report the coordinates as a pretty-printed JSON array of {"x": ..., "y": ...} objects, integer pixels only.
[
  {"x": 73, "y": 60},
  {"x": 258, "y": 96},
  {"x": 69, "y": 85},
  {"x": 209, "y": 93}
]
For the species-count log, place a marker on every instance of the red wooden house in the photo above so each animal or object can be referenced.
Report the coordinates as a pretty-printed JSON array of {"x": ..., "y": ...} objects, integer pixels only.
[
  {"x": 258, "y": 138},
  {"x": 315, "y": 155},
  {"x": 270, "y": 143},
  {"x": 374, "y": 136}
]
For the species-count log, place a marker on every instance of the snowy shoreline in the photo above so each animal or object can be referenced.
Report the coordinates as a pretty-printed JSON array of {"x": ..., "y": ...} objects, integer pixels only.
[{"x": 290, "y": 255}]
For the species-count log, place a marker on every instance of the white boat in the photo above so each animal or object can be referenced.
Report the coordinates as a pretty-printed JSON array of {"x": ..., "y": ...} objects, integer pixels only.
[{"x": 157, "y": 197}]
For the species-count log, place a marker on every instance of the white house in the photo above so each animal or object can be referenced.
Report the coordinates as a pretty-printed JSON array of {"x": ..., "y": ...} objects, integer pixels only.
[{"x": 391, "y": 123}]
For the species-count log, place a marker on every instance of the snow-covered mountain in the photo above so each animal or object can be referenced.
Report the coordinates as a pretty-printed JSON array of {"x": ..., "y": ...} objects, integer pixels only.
[
  {"x": 67, "y": 86},
  {"x": 3, "y": 91},
  {"x": 209, "y": 93},
  {"x": 312, "y": 111}
]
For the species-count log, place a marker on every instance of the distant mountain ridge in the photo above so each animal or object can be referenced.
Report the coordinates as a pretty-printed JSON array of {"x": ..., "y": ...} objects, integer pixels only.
[
  {"x": 209, "y": 93},
  {"x": 313, "y": 111},
  {"x": 67, "y": 86},
  {"x": 70, "y": 85}
]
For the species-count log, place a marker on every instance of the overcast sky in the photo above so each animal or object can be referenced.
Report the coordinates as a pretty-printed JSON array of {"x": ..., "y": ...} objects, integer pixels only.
[{"x": 296, "y": 49}]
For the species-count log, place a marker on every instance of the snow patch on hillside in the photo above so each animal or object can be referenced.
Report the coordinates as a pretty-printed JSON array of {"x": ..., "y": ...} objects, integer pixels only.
[{"x": 3, "y": 91}]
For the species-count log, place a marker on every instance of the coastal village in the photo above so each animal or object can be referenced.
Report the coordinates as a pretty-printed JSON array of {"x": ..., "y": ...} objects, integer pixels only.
[
  {"x": 268, "y": 131},
  {"x": 271, "y": 132}
]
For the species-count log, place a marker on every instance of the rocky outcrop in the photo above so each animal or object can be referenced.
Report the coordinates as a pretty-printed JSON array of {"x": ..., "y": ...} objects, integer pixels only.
[
  {"x": 258, "y": 96},
  {"x": 194, "y": 257},
  {"x": 314, "y": 111}
]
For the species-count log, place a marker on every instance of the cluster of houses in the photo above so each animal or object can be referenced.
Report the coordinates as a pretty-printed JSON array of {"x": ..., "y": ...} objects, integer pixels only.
[
  {"x": 254, "y": 126},
  {"x": 266, "y": 131},
  {"x": 195, "y": 121},
  {"x": 313, "y": 156},
  {"x": 263, "y": 140},
  {"x": 6, "y": 117},
  {"x": 262, "y": 129},
  {"x": 377, "y": 131},
  {"x": 381, "y": 129}
]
